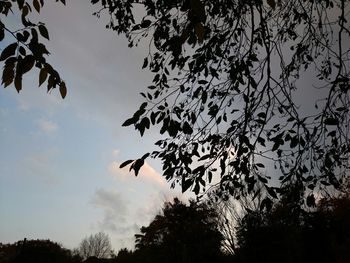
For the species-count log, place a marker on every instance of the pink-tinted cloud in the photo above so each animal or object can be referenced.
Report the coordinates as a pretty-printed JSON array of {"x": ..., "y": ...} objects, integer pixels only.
[{"x": 147, "y": 173}]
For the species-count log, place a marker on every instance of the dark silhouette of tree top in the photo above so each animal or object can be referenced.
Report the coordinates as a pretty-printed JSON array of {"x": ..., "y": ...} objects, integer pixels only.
[
  {"x": 97, "y": 245},
  {"x": 35, "y": 251},
  {"x": 181, "y": 233}
]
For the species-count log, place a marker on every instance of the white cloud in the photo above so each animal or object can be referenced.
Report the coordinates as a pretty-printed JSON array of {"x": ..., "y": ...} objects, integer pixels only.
[{"x": 47, "y": 126}]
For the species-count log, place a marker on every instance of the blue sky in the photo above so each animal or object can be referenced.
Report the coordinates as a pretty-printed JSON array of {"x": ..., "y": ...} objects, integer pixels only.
[{"x": 59, "y": 175}]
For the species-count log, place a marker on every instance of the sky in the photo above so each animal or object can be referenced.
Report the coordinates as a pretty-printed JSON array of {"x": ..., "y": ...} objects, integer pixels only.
[{"x": 59, "y": 159}]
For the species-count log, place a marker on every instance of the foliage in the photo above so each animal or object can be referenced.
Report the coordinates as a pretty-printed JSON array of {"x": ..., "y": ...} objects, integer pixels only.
[
  {"x": 230, "y": 78},
  {"x": 26, "y": 49},
  {"x": 124, "y": 256},
  {"x": 287, "y": 234},
  {"x": 182, "y": 233},
  {"x": 36, "y": 251},
  {"x": 228, "y": 88},
  {"x": 97, "y": 245}
]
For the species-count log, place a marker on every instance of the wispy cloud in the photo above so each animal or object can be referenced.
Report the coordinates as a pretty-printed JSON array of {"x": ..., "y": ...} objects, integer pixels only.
[
  {"x": 114, "y": 208},
  {"x": 41, "y": 165},
  {"x": 47, "y": 126}
]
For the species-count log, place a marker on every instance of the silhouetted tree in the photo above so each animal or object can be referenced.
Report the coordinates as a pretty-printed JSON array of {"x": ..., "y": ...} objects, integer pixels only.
[
  {"x": 288, "y": 233},
  {"x": 181, "y": 233},
  {"x": 231, "y": 212},
  {"x": 97, "y": 245},
  {"x": 36, "y": 251},
  {"x": 124, "y": 256}
]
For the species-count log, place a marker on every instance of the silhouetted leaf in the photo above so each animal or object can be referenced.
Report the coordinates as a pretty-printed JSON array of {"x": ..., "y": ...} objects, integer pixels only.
[
  {"x": 260, "y": 165},
  {"x": 2, "y": 32},
  {"x": 125, "y": 163},
  {"x": 18, "y": 82},
  {"x": 145, "y": 23},
  {"x": 43, "y": 31},
  {"x": 27, "y": 64},
  {"x": 137, "y": 165},
  {"x": 63, "y": 89},
  {"x": 36, "y": 5},
  {"x": 42, "y": 76},
  {"x": 331, "y": 121},
  {"x": 186, "y": 184},
  {"x": 128, "y": 122},
  {"x": 8, "y": 51}
]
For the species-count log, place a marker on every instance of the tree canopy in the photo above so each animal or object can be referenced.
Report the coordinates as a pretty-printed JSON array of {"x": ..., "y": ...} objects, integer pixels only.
[
  {"x": 231, "y": 91},
  {"x": 181, "y": 233}
]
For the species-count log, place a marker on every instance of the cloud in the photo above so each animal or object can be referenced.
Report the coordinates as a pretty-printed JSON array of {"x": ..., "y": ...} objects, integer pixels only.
[
  {"x": 47, "y": 126},
  {"x": 147, "y": 173},
  {"x": 114, "y": 208},
  {"x": 41, "y": 165}
]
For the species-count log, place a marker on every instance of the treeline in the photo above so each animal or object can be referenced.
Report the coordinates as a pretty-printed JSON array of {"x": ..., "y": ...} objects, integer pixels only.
[{"x": 225, "y": 231}]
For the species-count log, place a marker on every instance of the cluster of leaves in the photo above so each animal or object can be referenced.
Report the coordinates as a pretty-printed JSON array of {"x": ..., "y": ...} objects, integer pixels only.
[
  {"x": 27, "y": 51},
  {"x": 227, "y": 95}
]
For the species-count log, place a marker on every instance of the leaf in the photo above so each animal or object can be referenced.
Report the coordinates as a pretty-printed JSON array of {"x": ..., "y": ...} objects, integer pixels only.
[
  {"x": 128, "y": 122},
  {"x": 137, "y": 165},
  {"x": 27, "y": 63},
  {"x": 331, "y": 121},
  {"x": 294, "y": 142},
  {"x": 271, "y": 192},
  {"x": 145, "y": 23},
  {"x": 43, "y": 31},
  {"x": 20, "y": 4},
  {"x": 8, "y": 73},
  {"x": 18, "y": 82},
  {"x": 63, "y": 89},
  {"x": 36, "y": 5},
  {"x": 125, "y": 163},
  {"x": 275, "y": 146},
  {"x": 145, "y": 63},
  {"x": 42, "y": 76},
  {"x": 2, "y": 32},
  {"x": 9, "y": 51},
  {"x": 187, "y": 129},
  {"x": 145, "y": 156},
  {"x": 261, "y": 141},
  {"x": 260, "y": 165},
  {"x": 186, "y": 184}
]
